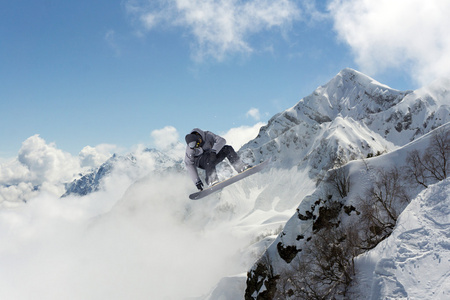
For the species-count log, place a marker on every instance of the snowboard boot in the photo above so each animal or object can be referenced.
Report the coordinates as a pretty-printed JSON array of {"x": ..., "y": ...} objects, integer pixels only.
[
  {"x": 245, "y": 168},
  {"x": 213, "y": 183}
]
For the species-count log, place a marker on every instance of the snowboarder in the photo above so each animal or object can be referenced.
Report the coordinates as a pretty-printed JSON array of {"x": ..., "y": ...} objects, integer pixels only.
[{"x": 205, "y": 150}]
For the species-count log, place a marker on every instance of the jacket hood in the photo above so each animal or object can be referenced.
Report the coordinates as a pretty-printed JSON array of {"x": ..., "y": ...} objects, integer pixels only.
[{"x": 199, "y": 131}]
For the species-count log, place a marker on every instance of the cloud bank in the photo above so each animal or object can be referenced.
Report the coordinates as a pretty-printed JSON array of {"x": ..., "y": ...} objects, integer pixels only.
[
  {"x": 218, "y": 27},
  {"x": 411, "y": 35},
  {"x": 139, "y": 237},
  {"x": 42, "y": 167},
  {"x": 153, "y": 243}
]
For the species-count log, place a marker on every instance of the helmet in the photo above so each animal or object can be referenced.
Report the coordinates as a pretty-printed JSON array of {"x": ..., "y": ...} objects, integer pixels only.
[{"x": 193, "y": 140}]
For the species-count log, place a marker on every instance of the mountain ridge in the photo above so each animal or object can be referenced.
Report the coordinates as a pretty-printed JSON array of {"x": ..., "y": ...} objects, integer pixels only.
[{"x": 355, "y": 95}]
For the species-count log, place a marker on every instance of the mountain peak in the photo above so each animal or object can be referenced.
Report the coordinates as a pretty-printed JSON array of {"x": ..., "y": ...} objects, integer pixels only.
[
  {"x": 354, "y": 97},
  {"x": 352, "y": 75},
  {"x": 350, "y": 93}
]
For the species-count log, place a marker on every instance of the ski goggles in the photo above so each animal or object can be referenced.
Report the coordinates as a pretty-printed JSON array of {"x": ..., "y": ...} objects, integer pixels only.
[{"x": 194, "y": 144}]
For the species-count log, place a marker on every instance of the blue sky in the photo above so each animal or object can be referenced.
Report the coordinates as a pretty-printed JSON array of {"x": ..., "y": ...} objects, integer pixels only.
[{"x": 97, "y": 72}]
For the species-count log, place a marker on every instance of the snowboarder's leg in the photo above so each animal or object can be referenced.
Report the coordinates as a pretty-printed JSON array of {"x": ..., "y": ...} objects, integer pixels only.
[
  {"x": 211, "y": 175},
  {"x": 234, "y": 159}
]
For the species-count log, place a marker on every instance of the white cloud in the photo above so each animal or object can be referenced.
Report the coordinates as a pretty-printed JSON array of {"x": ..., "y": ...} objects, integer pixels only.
[
  {"x": 165, "y": 138},
  {"x": 38, "y": 164},
  {"x": 42, "y": 167},
  {"x": 239, "y": 136},
  {"x": 95, "y": 156},
  {"x": 45, "y": 162},
  {"x": 218, "y": 27},
  {"x": 411, "y": 35},
  {"x": 12, "y": 172},
  {"x": 254, "y": 113},
  {"x": 11, "y": 195}
]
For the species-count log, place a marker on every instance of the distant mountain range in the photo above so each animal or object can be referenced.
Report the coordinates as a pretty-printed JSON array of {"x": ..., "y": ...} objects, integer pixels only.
[{"x": 92, "y": 181}]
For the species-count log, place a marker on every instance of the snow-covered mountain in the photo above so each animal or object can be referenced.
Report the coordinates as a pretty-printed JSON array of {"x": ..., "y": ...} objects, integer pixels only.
[
  {"x": 90, "y": 182},
  {"x": 294, "y": 264},
  {"x": 351, "y": 113},
  {"x": 351, "y": 117},
  {"x": 130, "y": 222}
]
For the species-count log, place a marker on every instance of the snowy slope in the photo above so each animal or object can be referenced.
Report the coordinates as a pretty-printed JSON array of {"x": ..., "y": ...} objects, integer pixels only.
[
  {"x": 392, "y": 269},
  {"x": 413, "y": 263}
]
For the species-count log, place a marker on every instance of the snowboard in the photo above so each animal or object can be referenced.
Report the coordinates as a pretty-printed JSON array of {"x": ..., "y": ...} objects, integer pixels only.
[{"x": 217, "y": 187}]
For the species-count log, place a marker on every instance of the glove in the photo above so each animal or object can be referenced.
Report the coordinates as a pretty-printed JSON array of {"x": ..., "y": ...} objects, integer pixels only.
[{"x": 199, "y": 185}]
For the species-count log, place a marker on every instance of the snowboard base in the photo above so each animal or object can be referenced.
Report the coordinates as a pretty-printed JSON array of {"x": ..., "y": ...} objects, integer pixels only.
[{"x": 217, "y": 187}]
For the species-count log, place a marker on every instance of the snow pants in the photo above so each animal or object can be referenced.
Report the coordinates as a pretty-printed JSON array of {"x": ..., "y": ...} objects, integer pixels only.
[{"x": 210, "y": 166}]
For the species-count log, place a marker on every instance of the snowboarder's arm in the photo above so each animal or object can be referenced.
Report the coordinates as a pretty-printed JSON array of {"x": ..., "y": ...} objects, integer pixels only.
[
  {"x": 219, "y": 142},
  {"x": 192, "y": 169}
]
